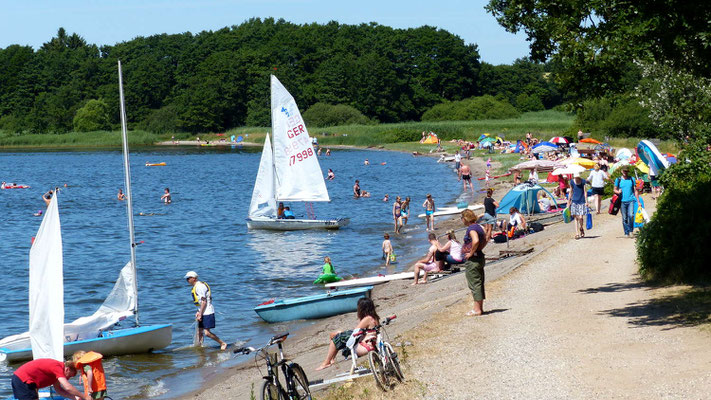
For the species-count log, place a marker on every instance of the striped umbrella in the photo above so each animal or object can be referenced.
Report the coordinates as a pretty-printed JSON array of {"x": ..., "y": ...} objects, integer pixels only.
[{"x": 559, "y": 140}]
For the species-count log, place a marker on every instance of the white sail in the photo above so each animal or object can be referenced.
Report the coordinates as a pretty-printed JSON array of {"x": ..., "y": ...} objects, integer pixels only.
[
  {"x": 263, "y": 203},
  {"x": 298, "y": 173},
  {"x": 47, "y": 288}
]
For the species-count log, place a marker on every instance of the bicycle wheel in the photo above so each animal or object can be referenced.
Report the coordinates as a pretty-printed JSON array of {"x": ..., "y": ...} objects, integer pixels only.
[
  {"x": 394, "y": 363},
  {"x": 381, "y": 376},
  {"x": 299, "y": 382},
  {"x": 269, "y": 391}
]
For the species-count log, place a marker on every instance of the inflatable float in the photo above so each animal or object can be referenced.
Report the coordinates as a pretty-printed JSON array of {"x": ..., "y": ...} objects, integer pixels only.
[
  {"x": 495, "y": 177},
  {"x": 160, "y": 164},
  {"x": 650, "y": 155},
  {"x": 16, "y": 187},
  {"x": 327, "y": 278}
]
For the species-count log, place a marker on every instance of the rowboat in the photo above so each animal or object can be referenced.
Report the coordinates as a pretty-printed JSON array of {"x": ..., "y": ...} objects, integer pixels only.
[{"x": 313, "y": 307}]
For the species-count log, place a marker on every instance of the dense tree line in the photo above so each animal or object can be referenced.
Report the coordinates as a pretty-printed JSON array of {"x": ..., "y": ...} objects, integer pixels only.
[{"x": 213, "y": 81}]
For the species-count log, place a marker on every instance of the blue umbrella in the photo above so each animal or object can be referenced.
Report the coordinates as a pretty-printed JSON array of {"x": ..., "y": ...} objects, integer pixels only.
[{"x": 544, "y": 147}]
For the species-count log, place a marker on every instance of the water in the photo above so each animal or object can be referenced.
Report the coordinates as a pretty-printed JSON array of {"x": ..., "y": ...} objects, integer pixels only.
[{"x": 203, "y": 230}]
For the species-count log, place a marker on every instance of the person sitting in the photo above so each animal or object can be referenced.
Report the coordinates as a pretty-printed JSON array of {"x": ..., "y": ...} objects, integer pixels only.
[
  {"x": 450, "y": 253},
  {"x": 544, "y": 203},
  {"x": 367, "y": 319},
  {"x": 427, "y": 264},
  {"x": 516, "y": 222},
  {"x": 280, "y": 211},
  {"x": 288, "y": 214},
  {"x": 327, "y": 267}
]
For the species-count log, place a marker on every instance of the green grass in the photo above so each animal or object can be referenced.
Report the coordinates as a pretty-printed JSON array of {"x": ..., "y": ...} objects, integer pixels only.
[{"x": 79, "y": 139}]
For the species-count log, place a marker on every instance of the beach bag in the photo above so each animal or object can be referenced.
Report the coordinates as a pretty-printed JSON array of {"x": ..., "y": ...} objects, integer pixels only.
[
  {"x": 588, "y": 224},
  {"x": 566, "y": 215},
  {"x": 641, "y": 217},
  {"x": 499, "y": 238},
  {"x": 536, "y": 226},
  {"x": 615, "y": 204}
]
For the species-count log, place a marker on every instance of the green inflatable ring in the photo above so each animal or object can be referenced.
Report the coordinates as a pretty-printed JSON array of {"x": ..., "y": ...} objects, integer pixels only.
[{"x": 326, "y": 278}]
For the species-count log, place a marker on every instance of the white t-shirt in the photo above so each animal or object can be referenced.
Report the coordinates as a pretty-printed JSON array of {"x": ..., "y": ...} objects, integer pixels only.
[
  {"x": 597, "y": 178},
  {"x": 455, "y": 250},
  {"x": 457, "y": 157},
  {"x": 515, "y": 220},
  {"x": 202, "y": 292},
  {"x": 533, "y": 176}
]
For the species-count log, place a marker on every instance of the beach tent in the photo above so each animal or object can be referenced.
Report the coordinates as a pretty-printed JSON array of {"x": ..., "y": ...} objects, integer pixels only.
[
  {"x": 519, "y": 147},
  {"x": 431, "y": 138},
  {"x": 524, "y": 197},
  {"x": 544, "y": 147}
]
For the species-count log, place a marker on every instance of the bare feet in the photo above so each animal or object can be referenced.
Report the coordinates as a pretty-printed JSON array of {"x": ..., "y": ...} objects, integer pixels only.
[
  {"x": 472, "y": 313},
  {"x": 323, "y": 366},
  {"x": 414, "y": 283},
  {"x": 223, "y": 346}
]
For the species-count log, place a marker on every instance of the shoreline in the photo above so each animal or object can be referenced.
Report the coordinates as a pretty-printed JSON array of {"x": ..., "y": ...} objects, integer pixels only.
[{"x": 302, "y": 344}]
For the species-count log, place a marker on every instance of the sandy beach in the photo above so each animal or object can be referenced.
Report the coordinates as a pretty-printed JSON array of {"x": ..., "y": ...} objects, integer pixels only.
[{"x": 569, "y": 320}]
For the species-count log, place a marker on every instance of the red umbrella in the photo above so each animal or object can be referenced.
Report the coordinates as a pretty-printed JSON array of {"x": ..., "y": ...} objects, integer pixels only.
[{"x": 559, "y": 140}]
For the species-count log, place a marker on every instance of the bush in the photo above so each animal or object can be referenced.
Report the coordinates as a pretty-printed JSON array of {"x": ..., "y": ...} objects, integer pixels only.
[
  {"x": 322, "y": 114},
  {"x": 94, "y": 116},
  {"x": 525, "y": 102},
  {"x": 161, "y": 121},
  {"x": 617, "y": 116},
  {"x": 474, "y": 108},
  {"x": 11, "y": 123},
  {"x": 398, "y": 135},
  {"x": 673, "y": 246}
]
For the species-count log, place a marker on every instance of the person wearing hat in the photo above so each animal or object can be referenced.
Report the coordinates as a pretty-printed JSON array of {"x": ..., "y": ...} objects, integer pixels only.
[
  {"x": 627, "y": 190},
  {"x": 429, "y": 206},
  {"x": 578, "y": 203},
  {"x": 205, "y": 316}
]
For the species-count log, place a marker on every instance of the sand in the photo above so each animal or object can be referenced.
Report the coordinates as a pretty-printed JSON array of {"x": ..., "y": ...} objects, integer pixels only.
[{"x": 565, "y": 321}]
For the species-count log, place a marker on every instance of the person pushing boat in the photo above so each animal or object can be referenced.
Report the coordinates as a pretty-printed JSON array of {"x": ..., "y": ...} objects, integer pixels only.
[
  {"x": 205, "y": 316},
  {"x": 44, "y": 372}
]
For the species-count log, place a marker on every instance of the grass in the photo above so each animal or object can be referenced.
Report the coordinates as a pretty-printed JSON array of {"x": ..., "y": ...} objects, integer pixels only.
[{"x": 79, "y": 139}]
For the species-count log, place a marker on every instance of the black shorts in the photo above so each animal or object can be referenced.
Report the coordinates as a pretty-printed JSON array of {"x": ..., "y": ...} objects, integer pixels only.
[
  {"x": 466, "y": 177},
  {"x": 207, "y": 322},
  {"x": 600, "y": 191},
  {"x": 441, "y": 255},
  {"x": 22, "y": 390}
]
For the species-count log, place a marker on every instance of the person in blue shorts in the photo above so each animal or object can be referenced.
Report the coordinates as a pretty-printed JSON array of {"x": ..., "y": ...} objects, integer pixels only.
[
  {"x": 429, "y": 206},
  {"x": 205, "y": 316}
]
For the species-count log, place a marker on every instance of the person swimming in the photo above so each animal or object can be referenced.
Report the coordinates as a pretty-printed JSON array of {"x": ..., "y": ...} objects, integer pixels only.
[
  {"x": 166, "y": 196},
  {"x": 331, "y": 175},
  {"x": 121, "y": 196}
]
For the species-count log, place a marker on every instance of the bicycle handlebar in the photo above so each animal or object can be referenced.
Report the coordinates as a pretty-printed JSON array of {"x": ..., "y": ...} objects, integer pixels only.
[
  {"x": 274, "y": 340},
  {"x": 387, "y": 320}
]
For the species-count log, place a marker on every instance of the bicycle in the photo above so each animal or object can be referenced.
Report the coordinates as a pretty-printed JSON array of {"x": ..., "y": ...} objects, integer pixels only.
[
  {"x": 297, "y": 384},
  {"x": 383, "y": 359}
]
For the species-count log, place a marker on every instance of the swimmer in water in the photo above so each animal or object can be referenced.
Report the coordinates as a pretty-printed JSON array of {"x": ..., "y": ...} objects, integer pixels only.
[
  {"x": 120, "y": 195},
  {"x": 331, "y": 175},
  {"x": 47, "y": 197},
  {"x": 166, "y": 196},
  {"x": 38, "y": 213},
  {"x": 366, "y": 162},
  {"x": 386, "y": 198}
]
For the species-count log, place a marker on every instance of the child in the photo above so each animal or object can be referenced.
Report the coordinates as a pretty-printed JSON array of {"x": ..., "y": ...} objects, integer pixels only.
[
  {"x": 92, "y": 373},
  {"x": 328, "y": 267},
  {"x": 387, "y": 249}
]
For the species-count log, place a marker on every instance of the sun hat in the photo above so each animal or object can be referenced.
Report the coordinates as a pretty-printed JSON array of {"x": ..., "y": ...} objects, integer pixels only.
[
  {"x": 191, "y": 274},
  {"x": 576, "y": 175}
]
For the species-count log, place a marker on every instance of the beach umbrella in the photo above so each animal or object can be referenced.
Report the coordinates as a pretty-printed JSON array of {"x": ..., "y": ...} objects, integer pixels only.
[
  {"x": 590, "y": 140},
  {"x": 559, "y": 140},
  {"x": 487, "y": 139},
  {"x": 483, "y": 135},
  {"x": 568, "y": 170},
  {"x": 544, "y": 147},
  {"x": 642, "y": 167},
  {"x": 584, "y": 162},
  {"x": 541, "y": 165},
  {"x": 487, "y": 143},
  {"x": 623, "y": 154}
]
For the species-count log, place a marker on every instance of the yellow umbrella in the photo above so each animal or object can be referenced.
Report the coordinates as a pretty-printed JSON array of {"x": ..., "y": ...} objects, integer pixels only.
[
  {"x": 642, "y": 167},
  {"x": 585, "y": 162}
]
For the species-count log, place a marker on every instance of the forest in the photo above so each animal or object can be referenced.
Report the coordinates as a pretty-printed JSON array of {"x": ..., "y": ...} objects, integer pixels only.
[{"x": 213, "y": 81}]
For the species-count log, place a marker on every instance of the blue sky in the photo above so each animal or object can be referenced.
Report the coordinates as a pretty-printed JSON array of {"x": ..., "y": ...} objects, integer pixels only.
[{"x": 33, "y": 22}]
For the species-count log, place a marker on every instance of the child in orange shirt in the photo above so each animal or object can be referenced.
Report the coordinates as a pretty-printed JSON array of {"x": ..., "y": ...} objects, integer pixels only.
[{"x": 92, "y": 373}]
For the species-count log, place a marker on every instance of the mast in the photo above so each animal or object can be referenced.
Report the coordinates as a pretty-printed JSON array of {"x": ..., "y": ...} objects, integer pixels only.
[
  {"x": 127, "y": 183},
  {"x": 271, "y": 113}
]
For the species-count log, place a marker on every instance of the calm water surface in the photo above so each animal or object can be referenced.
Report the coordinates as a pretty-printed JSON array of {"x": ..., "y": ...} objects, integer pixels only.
[{"x": 203, "y": 230}]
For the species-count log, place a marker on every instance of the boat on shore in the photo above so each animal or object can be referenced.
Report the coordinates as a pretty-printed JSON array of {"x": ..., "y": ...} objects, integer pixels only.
[
  {"x": 313, "y": 307},
  {"x": 289, "y": 171}
]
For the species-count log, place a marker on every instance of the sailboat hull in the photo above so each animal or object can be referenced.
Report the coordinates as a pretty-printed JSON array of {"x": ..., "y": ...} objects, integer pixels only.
[
  {"x": 295, "y": 224},
  {"x": 142, "y": 339}
]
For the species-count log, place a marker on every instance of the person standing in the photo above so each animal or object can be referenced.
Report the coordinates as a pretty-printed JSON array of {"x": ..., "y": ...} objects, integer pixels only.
[
  {"x": 202, "y": 297},
  {"x": 489, "y": 217},
  {"x": 405, "y": 211},
  {"x": 429, "y": 206},
  {"x": 47, "y": 197},
  {"x": 44, "y": 372},
  {"x": 356, "y": 189},
  {"x": 466, "y": 173},
  {"x": 472, "y": 250},
  {"x": 397, "y": 214},
  {"x": 387, "y": 249},
  {"x": 120, "y": 195},
  {"x": 627, "y": 190},
  {"x": 597, "y": 181},
  {"x": 581, "y": 135},
  {"x": 457, "y": 164},
  {"x": 578, "y": 204}
]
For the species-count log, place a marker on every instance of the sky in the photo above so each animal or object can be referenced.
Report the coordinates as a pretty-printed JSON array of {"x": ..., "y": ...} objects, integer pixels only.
[{"x": 107, "y": 22}]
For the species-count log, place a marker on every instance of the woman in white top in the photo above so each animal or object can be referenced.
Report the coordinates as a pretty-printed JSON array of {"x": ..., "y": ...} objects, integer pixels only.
[
  {"x": 515, "y": 219},
  {"x": 597, "y": 180},
  {"x": 451, "y": 252}
]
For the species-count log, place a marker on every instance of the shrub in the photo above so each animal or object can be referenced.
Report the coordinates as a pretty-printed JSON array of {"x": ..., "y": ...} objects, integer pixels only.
[
  {"x": 673, "y": 246},
  {"x": 398, "y": 135},
  {"x": 474, "y": 108},
  {"x": 94, "y": 116},
  {"x": 160, "y": 121},
  {"x": 617, "y": 116},
  {"x": 525, "y": 102},
  {"x": 11, "y": 123},
  {"x": 322, "y": 114}
]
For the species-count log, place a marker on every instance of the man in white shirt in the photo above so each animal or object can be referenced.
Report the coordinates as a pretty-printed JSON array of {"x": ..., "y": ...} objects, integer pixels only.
[
  {"x": 202, "y": 297},
  {"x": 597, "y": 179}
]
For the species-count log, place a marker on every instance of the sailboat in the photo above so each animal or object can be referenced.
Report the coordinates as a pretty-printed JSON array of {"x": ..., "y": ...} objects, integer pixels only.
[
  {"x": 288, "y": 170},
  {"x": 49, "y": 336}
]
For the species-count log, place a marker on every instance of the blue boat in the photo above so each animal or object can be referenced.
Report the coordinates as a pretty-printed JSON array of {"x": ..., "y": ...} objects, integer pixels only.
[{"x": 313, "y": 307}]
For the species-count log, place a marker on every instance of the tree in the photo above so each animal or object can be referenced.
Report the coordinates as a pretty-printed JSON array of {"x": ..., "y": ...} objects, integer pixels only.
[{"x": 94, "y": 116}]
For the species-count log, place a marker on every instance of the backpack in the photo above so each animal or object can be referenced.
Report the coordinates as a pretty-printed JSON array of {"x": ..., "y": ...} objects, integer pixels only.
[
  {"x": 536, "y": 226},
  {"x": 499, "y": 238},
  {"x": 615, "y": 204}
]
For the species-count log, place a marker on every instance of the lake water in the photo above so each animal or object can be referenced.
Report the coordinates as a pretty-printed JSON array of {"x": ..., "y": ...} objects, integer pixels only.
[{"x": 203, "y": 230}]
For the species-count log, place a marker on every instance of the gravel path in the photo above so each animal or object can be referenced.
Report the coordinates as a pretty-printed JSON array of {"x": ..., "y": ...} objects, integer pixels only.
[{"x": 569, "y": 323}]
